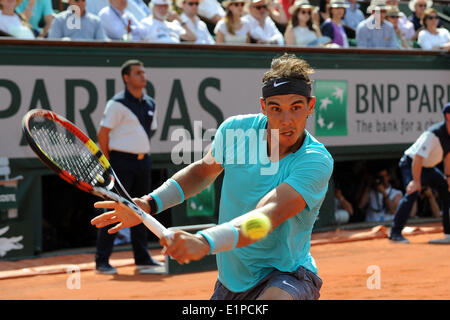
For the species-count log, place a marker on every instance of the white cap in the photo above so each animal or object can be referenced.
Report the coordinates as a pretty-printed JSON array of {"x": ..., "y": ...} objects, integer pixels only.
[{"x": 159, "y": 2}]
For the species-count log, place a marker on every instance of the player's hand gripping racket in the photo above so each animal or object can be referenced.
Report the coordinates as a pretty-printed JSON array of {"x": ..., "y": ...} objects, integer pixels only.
[{"x": 75, "y": 158}]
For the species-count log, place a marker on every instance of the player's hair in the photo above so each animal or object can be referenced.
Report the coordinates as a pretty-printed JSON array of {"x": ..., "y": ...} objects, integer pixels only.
[
  {"x": 288, "y": 66},
  {"x": 126, "y": 67}
]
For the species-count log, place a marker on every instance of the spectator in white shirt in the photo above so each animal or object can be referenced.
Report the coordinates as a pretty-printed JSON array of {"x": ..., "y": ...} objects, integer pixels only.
[
  {"x": 301, "y": 30},
  {"x": 232, "y": 29},
  {"x": 262, "y": 28},
  {"x": 119, "y": 23},
  {"x": 432, "y": 37},
  {"x": 136, "y": 7},
  {"x": 193, "y": 22},
  {"x": 159, "y": 29}
]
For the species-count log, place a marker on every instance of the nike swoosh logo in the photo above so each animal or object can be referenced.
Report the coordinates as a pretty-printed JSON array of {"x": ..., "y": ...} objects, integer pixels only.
[
  {"x": 288, "y": 284},
  {"x": 280, "y": 83}
]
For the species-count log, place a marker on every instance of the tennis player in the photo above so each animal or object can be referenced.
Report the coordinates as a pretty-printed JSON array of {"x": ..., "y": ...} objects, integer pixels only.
[{"x": 278, "y": 266}]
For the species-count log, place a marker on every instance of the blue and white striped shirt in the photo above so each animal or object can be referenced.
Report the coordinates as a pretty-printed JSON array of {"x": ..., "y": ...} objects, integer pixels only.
[
  {"x": 65, "y": 25},
  {"x": 371, "y": 35}
]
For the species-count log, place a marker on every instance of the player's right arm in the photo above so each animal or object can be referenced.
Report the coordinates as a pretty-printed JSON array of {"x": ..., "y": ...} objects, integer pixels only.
[{"x": 192, "y": 180}]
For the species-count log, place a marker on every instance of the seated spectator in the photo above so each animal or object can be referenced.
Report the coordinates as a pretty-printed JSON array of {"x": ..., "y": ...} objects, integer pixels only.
[
  {"x": 343, "y": 209},
  {"x": 137, "y": 8},
  {"x": 301, "y": 31},
  {"x": 333, "y": 27},
  {"x": 262, "y": 28},
  {"x": 426, "y": 204},
  {"x": 417, "y": 8},
  {"x": 375, "y": 31},
  {"x": 160, "y": 30},
  {"x": 432, "y": 37},
  {"x": 36, "y": 10},
  {"x": 11, "y": 23},
  {"x": 393, "y": 16},
  {"x": 65, "y": 25},
  {"x": 120, "y": 24},
  {"x": 404, "y": 24},
  {"x": 232, "y": 29},
  {"x": 380, "y": 199},
  {"x": 193, "y": 22},
  {"x": 353, "y": 16},
  {"x": 211, "y": 11}
]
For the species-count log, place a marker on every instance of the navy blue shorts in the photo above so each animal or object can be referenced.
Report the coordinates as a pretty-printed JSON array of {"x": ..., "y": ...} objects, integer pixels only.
[{"x": 301, "y": 284}]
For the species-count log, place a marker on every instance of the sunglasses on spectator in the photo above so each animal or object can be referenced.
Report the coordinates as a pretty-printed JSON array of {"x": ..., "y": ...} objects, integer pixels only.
[
  {"x": 432, "y": 17},
  {"x": 191, "y": 4},
  {"x": 238, "y": 4},
  {"x": 260, "y": 7},
  {"x": 422, "y": 5},
  {"x": 305, "y": 12}
]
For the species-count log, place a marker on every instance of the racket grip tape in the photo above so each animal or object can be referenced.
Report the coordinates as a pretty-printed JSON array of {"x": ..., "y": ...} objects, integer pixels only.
[{"x": 156, "y": 227}]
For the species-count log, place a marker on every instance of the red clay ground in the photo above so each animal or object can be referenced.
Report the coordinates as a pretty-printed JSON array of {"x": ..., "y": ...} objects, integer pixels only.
[{"x": 415, "y": 271}]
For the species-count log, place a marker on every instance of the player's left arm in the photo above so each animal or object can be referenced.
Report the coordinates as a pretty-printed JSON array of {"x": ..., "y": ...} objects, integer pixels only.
[{"x": 278, "y": 205}]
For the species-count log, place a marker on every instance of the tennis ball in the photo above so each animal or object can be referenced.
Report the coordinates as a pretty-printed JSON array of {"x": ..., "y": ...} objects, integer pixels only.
[{"x": 257, "y": 226}]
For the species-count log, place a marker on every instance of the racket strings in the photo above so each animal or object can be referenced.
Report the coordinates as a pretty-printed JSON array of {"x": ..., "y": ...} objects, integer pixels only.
[{"x": 67, "y": 151}]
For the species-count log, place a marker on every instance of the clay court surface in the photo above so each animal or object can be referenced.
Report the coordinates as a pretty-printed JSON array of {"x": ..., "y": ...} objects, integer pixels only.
[{"x": 346, "y": 260}]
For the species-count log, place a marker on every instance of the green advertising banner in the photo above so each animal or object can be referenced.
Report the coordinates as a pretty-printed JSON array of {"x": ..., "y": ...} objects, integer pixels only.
[{"x": 331, "y": 107}]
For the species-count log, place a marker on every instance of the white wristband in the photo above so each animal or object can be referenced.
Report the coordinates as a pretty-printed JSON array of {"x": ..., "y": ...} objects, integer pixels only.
[
  {"x": 223, "y": 237},
  {"x": 168, "y": 195}
]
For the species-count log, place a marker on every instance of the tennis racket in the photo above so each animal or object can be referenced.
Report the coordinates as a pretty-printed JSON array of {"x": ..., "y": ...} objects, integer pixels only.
[{"x": 70, "y": 153}]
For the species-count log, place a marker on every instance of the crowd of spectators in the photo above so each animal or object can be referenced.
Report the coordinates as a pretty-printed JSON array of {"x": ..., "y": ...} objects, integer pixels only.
[
  {"x": 376, "y": 194},
  {"x": 326, "y": 23}
]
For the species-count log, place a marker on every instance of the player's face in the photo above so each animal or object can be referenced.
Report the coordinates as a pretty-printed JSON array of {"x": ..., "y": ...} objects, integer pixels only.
[
  {"x": 136, "y": 78},
  {"x": 288, "y": 113}
]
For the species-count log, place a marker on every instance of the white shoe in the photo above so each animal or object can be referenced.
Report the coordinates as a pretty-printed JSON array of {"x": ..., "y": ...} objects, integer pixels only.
[
  {"x": 156, "y": 268},
  {"x": 445, "y": 240}
]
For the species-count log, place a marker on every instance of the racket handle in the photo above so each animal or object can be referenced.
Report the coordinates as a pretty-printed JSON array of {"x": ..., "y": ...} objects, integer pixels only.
[
  {"x": 168, "y": 234},
  {"x": 156, "y": 227}
]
